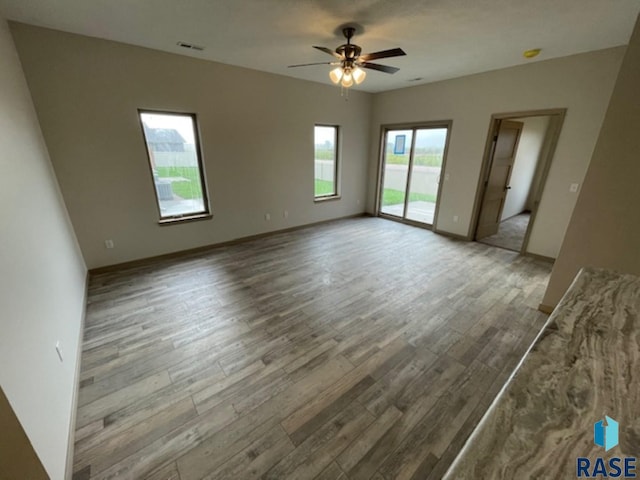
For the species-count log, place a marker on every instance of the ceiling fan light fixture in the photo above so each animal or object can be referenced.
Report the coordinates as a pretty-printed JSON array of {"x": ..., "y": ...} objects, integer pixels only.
[
  {"x": 336, "y": 75},
  {"x": 358, "y": 75},
  {"x": 347, "y": 80}
]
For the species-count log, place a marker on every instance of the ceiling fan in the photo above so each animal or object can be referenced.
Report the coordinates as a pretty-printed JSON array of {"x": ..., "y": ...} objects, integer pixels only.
[{"x": 351, "y": 62}]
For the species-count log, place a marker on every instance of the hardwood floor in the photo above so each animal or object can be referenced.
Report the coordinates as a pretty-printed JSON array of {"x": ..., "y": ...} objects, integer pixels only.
[
  {"x": 359, "y": 349},
  {"x": 511, "y": 233}
]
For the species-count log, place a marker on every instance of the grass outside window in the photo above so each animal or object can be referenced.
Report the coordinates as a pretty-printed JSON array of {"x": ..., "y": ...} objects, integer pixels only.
[{"x": 189, "y": 187}]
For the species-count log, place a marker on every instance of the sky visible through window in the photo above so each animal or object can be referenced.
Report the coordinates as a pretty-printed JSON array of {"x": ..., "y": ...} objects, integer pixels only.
[
  {"x": 182, "y": 124},
  {"x": 324, "y": 134},
  {"x": 429, "y": 138}
]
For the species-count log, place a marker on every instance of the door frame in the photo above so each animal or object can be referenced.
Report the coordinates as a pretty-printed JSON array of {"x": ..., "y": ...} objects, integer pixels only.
[
  {"x": 382, "y": 150},
  {"x": 550, "y": 143}
]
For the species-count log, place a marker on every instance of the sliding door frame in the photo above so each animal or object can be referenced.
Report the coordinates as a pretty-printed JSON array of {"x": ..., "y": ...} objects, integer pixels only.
[{"x": 382, "y": 149}]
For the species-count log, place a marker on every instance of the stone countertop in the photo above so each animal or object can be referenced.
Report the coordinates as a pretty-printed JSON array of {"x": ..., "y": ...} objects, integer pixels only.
[{"x": 584, "y": 364}]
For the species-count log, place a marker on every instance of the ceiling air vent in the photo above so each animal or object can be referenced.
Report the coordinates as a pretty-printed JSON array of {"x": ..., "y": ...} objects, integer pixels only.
[{"x": 190, "y": 46}]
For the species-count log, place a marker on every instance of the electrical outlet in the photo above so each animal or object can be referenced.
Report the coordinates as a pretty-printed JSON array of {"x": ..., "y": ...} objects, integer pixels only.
[
  {"x": 573, "y": 188},
  {"x": 267, "y": 216},
  {"x": 358, "y": 202},
  {"x": 446, "y": 177},
  {"x": 455, "y": 219},
  {"x": 108, "y": 243},
  {"x": 285, "y": 214},
  {"x": 59, "y": 350}
]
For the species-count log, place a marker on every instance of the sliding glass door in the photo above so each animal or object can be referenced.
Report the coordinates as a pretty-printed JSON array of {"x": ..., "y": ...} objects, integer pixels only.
[
  {"x": 395, "y": 171},
  {"x": 412, "y": 164}
]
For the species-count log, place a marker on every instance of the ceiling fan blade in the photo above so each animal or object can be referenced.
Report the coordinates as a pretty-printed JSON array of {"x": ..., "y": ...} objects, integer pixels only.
[
  {"x": 380, "y": 68},
  {"x": 309, "y": 64},
  {"x": 394, "y": 52},
  {"x": 327, "y": 50}
]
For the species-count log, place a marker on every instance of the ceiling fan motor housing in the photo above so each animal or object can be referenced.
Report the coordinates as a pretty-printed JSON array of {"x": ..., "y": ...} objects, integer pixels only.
[{"x": 349, "y": 51}]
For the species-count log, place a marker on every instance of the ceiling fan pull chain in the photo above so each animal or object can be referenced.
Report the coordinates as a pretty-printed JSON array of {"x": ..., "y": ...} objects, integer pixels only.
[{"x": 344, "y": 92}]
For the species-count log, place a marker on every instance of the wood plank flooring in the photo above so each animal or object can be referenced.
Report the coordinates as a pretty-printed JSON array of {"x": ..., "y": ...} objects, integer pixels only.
[{"x": 359, "y": 349}]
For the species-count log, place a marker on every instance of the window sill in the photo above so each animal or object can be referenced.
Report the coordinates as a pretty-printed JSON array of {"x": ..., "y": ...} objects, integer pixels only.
[
  {"x": 326, "y": 198},
  {"x": 186, "y": 218}
]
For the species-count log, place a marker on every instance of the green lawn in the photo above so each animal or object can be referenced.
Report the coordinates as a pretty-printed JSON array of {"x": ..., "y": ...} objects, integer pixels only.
[
  {"x": 186, "y": 189},
  {"x": 389, "y": 196},
  {"x": 324, "y": 154},
  {"x": 324, "y": 187},
  {"x": 395, "y": 197}
]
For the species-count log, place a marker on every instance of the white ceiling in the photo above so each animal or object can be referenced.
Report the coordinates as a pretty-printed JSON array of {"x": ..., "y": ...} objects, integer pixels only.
[{"x": 443, "y": 38}]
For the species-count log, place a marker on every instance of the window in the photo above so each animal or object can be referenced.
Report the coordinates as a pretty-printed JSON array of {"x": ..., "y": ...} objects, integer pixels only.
[
  {"x": 176, "y": 165},
  {"x": 326, "y": 161}
]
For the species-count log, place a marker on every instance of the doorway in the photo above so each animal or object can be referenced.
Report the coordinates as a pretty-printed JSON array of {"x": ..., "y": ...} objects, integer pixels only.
[
  {"x": 411, "y": 166},
  {"x": 517, "y": 160}
]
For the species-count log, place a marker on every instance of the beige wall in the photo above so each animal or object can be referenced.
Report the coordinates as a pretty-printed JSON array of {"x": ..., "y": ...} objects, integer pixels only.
[
  {"x": 580, "y": 83},
  {"x": 257, "y": 140},
  {"x": 605, "y": 226},
  {"x": 524, "y": 167},
  {"x": 43, "y": 275}
]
